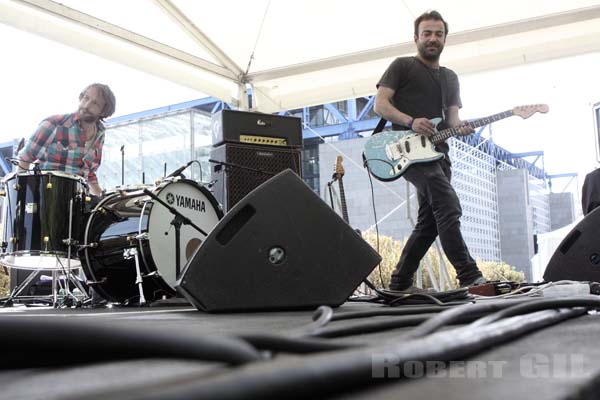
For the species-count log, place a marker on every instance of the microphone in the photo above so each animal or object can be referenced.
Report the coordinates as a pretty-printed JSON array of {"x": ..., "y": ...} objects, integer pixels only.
[
  {"x": 12, "y": 160},
  {"x": 179, "y": 170},
  {"x": 20, "y": 145}
]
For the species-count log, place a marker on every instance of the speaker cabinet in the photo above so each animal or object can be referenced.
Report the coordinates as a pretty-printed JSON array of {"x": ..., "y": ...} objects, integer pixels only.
[
  {"x": 240, "y": 168},
  {"x": 577, "y": 257},
  {"x": 281, "y": 247}
]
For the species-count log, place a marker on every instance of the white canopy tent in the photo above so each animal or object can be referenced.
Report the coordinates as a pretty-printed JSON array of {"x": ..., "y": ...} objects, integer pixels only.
[{"x": 295, "y": 54}]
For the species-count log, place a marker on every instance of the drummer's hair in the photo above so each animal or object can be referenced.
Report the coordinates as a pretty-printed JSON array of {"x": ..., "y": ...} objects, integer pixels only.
[{"x": 109, "y": 98}]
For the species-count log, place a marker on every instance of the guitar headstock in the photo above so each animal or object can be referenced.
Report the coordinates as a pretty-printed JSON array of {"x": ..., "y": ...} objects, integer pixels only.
[
  {"x": 528, "y": 111},
  {"x": 339, "y": 170}
]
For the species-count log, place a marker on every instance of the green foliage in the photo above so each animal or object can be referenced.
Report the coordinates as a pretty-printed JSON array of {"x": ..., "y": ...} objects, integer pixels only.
[{"x": 390, "y": 250}]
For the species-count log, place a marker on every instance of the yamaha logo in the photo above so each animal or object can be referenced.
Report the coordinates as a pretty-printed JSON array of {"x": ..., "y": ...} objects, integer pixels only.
[
  {"x": 170, "y": 198},
  {"x": 189, "y": 202}
]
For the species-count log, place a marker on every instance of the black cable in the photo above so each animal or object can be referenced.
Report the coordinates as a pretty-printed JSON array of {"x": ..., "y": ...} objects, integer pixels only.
[
  {"x": 386, "y": 311},
  {"x": 293, "y": 345},
  {"x": 371, "y": 326},
  {"x": 320, "y": 375},
  {"x": 73, "y": 342},
  {"x": 452, "y": 299},
  {"x": 450, "y": 316},
  {"x": 395, "y": 298},
  {"x": 376, "y": 223},
  {"x": 590, "y": 301},
  {"x": 368, "y": 161}
]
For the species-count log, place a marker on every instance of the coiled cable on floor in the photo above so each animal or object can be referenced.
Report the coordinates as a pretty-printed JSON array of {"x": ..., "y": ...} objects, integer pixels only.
[{"x": 49, "y": 341}]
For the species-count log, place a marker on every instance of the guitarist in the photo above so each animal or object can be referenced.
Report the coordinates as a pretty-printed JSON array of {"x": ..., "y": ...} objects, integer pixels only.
[{"x": 411, "y": 92}]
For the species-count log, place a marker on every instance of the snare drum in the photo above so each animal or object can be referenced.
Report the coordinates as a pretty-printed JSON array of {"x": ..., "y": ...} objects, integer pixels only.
[
  {"x": 43, "y": 220},
  {"x": 128, "y": 226}
]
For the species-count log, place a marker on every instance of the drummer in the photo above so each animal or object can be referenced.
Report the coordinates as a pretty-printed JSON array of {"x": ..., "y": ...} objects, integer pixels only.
[{"x": 73, "y": 142}]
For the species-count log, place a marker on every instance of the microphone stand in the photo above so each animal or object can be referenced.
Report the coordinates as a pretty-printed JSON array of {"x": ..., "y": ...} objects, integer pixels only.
[
  {"x": 330, "y": 189},
  {"x": 123, "y": 165},
  {"x": 177, "y": 221}
]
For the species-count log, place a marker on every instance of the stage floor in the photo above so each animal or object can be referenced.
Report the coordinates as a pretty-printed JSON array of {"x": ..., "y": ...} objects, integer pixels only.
[{"x": 550, "y": 363}]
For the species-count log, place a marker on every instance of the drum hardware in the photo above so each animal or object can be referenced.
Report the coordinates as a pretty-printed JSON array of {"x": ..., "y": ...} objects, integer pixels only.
[
  {"x": 86, "y": 246},
  {"x": 93, "y": 283},
  {"x": 140, "y": 202},
  {"x": 133, "y": 253},
  {"x": 17, "y": 290},
  {"x": 31, "y": 208},
  {"x": 142, "y": 236},
  {"x": 68, "y": 297},
  {"x": 177, "y": 221}
]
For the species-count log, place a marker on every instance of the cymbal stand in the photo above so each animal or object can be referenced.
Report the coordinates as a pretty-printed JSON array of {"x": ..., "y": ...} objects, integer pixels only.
[{"x": 70, "y": 276}]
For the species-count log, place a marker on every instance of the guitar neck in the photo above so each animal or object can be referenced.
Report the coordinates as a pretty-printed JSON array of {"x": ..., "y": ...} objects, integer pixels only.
[
  {"x": 343, "y": 201},
  {"x": 444, "y": 134}
]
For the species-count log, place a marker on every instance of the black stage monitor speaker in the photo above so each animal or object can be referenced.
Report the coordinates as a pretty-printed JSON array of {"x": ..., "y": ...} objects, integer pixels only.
[
  {"x": 244, "y": 167},
  {"x": 281, "y": 247},
  {"x": 577, "y": 257}
]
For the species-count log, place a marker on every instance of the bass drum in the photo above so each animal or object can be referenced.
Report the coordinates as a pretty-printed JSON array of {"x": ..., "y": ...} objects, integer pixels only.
[{"x": 127, "y": 226}]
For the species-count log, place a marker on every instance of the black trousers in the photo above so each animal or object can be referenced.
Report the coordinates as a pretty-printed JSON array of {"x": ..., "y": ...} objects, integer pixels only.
[{"x": 439, "y": 214}]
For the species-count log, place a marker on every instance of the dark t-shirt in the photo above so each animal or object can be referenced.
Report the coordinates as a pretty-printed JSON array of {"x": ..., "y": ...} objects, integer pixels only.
[{"x": 418, "y": 90}]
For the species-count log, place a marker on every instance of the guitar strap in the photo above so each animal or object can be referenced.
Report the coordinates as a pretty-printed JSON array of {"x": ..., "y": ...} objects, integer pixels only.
[
  {"x": 380, "y": 125},
  {"x": 444, "y": 87}
]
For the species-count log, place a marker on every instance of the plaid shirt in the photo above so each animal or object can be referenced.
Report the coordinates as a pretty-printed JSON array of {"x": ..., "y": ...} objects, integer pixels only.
[{"x": 59, "y": 144}]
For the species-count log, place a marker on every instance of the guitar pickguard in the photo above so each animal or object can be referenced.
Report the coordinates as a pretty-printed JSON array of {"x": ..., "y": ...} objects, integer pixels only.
[{"x": 390, "y": 154}]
